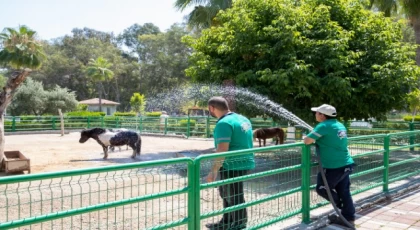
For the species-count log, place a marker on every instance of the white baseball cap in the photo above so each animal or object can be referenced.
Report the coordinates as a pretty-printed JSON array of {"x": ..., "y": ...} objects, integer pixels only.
[{"x": 325, "y": 109}]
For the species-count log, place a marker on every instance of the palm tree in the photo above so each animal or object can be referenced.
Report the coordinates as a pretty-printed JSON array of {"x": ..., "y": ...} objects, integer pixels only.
[
  {"x": 19, "y": 52},
  {"x": 204, "y": 12},
  {"x": 99, "y": 71},
  {"x": 411, "y": 9}
]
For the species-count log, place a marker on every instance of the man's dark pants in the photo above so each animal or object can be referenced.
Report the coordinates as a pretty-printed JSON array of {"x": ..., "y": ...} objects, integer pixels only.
[
  {"x": 338, "y": 180},
  {"x": 233, "y": 194}
]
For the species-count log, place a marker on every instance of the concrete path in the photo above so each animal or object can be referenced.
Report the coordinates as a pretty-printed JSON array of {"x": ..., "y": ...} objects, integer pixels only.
[{"x": 401, "y": 213}]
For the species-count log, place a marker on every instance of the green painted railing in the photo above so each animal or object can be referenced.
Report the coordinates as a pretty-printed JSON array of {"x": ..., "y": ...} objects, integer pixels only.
[{"x": 173, "y": 193}]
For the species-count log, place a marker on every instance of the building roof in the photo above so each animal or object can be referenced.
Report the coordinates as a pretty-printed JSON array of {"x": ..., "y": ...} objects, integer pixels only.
[{"x": 95, "y": 101}]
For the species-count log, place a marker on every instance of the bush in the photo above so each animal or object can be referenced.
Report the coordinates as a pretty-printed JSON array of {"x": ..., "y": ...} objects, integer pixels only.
[
  {"x": 153, "y": 114},
  {"x": 85, "y": 114},
  {"x": 184, "y": 123},
  {"x": 125, "y": 114},
  {"x": 409, "y": 118}
]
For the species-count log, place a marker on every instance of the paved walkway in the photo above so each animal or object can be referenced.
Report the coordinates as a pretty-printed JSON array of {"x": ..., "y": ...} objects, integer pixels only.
[{"x": 401, "y": 213}]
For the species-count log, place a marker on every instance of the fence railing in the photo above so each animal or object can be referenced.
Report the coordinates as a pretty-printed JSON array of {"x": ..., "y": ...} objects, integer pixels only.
[
  {"x": 173, "y": 193},
  {"x": 187, "y": 126}
]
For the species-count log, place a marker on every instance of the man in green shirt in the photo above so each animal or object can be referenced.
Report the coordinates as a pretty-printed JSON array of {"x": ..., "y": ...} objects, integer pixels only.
[
  {"x": 331, "y": 140},
  {"x": 232, "y": 132}
]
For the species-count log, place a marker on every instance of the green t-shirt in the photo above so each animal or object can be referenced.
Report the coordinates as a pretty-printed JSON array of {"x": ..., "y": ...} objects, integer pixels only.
[
  {"x": 237, "y": 130},
  {"x": 331, "y": 137}
]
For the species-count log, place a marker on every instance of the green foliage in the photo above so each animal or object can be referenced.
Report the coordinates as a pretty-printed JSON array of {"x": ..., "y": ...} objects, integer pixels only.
[
  {"x": 20, "y": 49},
  {"x": 306, "y": 54},
  {"x": 84, "y": 114},
  {"x": 202, "y": 16},
  {"x": 138, "y": 103},
  {"x": 413, "y": 99},
  {"x": 98, "y": 69},
  {"x": 3, "y": 80},
  {"x": 125, "y": 114},
  {"x": 153, "y": 114},
  {"x": 410, "y": 118},
  {"x": 31, "y": 98},
  {"x": 82, "y": 107},
  {"x": 184, "y": 123}
]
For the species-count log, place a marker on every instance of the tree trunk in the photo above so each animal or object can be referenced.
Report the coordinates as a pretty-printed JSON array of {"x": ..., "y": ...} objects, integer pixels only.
[
  {"x": 15, "y": 79},
  {"x": 100, "y": 96},
  {"x": 415, "y": 21}
]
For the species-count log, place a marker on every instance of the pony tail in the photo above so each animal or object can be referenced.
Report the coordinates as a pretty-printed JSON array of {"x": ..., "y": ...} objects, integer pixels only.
[{"x": 138, "y": 145}]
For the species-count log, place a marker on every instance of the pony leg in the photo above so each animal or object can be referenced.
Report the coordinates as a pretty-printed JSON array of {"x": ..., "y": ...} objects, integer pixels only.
[
  {"x": 264, "y": 141},
  {"x": 105, "y": 152},
  {"x": 259, "y": 141}
]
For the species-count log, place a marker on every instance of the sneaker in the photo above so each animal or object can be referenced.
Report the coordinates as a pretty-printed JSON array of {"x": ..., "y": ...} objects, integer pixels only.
[{"x": 217, "y": 226}]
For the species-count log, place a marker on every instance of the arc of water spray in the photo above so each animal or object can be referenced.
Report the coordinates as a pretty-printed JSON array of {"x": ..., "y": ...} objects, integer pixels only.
[{"x": 202, "y": 92}]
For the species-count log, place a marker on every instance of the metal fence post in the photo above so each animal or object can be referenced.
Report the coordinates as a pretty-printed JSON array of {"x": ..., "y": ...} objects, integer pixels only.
[
  {"x": 53, "y": 123},
  {"x": 14, "y": 124},
  {"x": 117, "y": 121},
  {"x": 196, "y": 200},
  {"x": 386, "y": 163},
  {"x": 88, "y": 122},
  {"x": 102, "y": 122},
  {"x": 192, "y": 186},
  {"x": 412, "y": 136},
  {"x": 166, "y": 126},
  {"x": 306, "y": 183},
  {"x": 208, "y": 127},
  {"x": 188, "y": 127},
  {"x": 141, "y": 124}
]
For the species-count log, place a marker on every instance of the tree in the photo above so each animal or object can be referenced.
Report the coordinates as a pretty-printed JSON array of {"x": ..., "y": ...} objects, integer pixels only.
[
  {"x": 130, "y": 36},
  {"x": 414, "y": 102},
  {"x": 138, "y": 103},
  {"x": 203, "y": 15},
  {"x": 308, "y": 54},
  {"x": 98, "y": 70},
  {"x": 410, "y": 8},
  {"x": 20, "y": 52},
  {"x": 31, "y": 99}
]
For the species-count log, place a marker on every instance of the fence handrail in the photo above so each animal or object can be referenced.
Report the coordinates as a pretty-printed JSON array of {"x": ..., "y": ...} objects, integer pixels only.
[
  {"x": 194, "y": 186},
  {"x": 79, "y": 172}
]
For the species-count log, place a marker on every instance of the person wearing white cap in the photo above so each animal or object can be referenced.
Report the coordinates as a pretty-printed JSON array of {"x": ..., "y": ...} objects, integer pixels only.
[{"x": 331, "y": 140}]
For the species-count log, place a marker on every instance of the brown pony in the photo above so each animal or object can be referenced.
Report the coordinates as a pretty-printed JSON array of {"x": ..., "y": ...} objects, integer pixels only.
[{"x": 265, "y": 133}]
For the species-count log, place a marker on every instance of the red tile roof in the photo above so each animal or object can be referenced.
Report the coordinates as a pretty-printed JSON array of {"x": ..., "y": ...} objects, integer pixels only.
[{"x": 95, "y": 101}]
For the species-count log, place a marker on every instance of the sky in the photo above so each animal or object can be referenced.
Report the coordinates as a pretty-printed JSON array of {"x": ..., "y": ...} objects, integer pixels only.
[{"x": 56, "y": 18}]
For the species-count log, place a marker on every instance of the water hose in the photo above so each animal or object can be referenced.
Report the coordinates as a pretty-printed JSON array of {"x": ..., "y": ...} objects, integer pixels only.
[{"x": 327, "y": 187}]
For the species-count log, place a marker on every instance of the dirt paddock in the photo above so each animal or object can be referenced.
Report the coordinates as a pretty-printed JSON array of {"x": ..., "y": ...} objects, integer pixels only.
[{"x": 53, "y": 152}]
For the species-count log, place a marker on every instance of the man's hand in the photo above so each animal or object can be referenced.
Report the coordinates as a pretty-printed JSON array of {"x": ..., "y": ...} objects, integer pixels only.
[
  {"x": 308, "y": 140},
  {"x": 211, "y": 177}
]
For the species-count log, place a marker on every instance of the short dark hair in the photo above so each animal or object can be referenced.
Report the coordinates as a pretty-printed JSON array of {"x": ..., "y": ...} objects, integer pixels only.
[
  {"x": 329, "y": 117},
  {"x": 219, "y": 103}
]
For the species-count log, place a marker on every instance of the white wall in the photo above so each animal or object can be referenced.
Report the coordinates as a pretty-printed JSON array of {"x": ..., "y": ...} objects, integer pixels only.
[{"x": 107, "y": 109}]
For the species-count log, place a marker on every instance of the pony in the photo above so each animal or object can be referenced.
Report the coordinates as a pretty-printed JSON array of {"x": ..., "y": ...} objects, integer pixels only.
[
  {"x": 105, "y": 138},
  {"x": 265, "y": 133},
  {"x": 112, "y": 148}
]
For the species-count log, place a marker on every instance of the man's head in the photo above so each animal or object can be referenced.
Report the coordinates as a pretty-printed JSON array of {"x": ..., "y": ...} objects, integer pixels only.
[
  {"x": 218, "y": 106},
  {"x": 164, "y": 112},
  {"x": 324, "y": 112}
]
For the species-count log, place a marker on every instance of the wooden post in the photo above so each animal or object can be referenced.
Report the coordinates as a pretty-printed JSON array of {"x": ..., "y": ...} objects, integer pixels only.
[{"x": 61, "y": 121}]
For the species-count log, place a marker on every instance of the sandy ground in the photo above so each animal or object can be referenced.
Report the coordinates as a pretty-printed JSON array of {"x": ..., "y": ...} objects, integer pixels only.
[{"x": 52, "y": 152}]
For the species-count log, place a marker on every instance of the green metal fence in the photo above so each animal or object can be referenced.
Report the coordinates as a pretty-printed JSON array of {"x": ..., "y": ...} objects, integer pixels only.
[{"x": 173, "y": 193}]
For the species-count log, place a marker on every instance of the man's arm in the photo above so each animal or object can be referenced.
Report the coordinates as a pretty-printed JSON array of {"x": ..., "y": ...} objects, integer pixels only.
[
  {"x": 308, "y": 140},
  {"x": 218, "y": 162}
]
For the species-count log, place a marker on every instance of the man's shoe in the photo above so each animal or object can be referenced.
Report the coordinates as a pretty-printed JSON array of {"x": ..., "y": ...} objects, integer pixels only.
[{"x": 217, "y": 226}]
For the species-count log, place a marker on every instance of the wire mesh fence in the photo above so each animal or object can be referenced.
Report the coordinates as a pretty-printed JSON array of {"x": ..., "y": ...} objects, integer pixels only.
[
  {"x": 175, "y": 193},
  {"x": 133, "y": 196}
]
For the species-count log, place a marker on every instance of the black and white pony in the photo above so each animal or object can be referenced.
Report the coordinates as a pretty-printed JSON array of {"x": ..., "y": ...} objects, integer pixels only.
[
  {"x": 106, "y": 138},
  {"x": 112, "y": 148}
]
